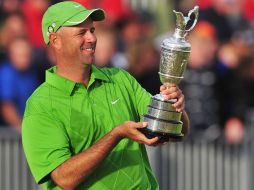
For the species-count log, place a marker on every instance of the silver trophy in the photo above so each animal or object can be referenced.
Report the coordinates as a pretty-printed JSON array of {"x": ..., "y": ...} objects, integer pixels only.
[{"x": 163, "y": 120}]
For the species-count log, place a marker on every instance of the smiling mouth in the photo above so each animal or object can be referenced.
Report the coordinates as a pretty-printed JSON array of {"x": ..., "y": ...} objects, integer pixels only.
[{"x": 88, "y": 49}]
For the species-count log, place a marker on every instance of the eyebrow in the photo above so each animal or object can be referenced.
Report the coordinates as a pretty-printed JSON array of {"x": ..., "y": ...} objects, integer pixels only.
[{"x": 82, "y": 30}]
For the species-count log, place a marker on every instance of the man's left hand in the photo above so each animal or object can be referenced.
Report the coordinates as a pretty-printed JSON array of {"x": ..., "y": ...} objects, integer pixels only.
[{"x": 171, "y": 91}]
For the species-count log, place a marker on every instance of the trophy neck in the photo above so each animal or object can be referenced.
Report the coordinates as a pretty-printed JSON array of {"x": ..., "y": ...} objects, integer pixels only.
[{"x": 180, "y": 34}]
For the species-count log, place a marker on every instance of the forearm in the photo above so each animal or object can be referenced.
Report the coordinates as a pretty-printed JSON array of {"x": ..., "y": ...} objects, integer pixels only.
[
  {"x": 75, "y": 170},
  {"x": 186, "y": 123}
]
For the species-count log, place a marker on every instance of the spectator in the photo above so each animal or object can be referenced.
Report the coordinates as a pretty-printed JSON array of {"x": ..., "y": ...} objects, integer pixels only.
[
  {"x": 33, "y": 11},
  {"x": 106, "y": 36},
  {"x": 147, "y": 23},
  {"x": 13, "y": 26},
  {"x": 17, "y": 81},
  {"x": 8, "y": 6},
  {"x": 130, "y": 33},
  {"x": 227, "y": 17},
  {"x": 232, "y": 58},
  {"x": 107, "y": 40},
  {"x": 144, "y": 65},
  {"x": 200, "y": 83},
  {"x": 240, "y": 92}
]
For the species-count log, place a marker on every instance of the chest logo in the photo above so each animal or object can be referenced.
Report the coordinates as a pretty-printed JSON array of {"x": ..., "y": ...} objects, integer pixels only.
[{"x": 114, "y": 101}]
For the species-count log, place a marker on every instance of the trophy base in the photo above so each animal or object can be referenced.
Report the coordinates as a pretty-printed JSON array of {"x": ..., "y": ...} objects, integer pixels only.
[
  {"x": 164, "y": 137},
  {"x": 163, "y": 120},
  {"x": 163, "y": 126}
]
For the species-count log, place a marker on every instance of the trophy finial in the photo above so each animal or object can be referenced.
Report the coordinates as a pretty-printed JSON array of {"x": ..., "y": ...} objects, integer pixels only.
[{"x": 182, "y": 21}]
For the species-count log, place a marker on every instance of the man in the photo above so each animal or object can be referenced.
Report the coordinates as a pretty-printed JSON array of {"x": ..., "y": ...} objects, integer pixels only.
[{"x": 80, "y": 128}]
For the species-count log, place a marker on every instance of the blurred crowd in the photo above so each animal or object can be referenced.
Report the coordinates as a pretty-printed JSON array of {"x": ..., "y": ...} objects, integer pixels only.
[{"x": 218, "y": 83}]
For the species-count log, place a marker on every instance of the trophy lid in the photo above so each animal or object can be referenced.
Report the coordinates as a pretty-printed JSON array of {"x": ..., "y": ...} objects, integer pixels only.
[{"x": 176, "y": 44}]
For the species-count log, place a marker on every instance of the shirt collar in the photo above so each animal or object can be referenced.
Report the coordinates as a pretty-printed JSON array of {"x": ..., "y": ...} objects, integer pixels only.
[
  {"x": 67, "y": 85},
  {"x": 97, "y": 73}
]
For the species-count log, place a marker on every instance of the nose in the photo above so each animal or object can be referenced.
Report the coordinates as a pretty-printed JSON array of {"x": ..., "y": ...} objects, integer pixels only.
[{"x": 90, "y": 37}]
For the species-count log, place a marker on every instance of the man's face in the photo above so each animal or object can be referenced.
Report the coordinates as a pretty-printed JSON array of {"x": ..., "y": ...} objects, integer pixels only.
[{"x": 78, "y": 43}]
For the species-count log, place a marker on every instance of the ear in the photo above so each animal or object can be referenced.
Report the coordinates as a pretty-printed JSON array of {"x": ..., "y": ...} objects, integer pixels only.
[{"x": 55, "y": 40}]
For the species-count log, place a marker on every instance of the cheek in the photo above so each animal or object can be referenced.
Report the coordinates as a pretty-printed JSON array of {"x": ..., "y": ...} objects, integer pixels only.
[{"x": 70, "y": 47}]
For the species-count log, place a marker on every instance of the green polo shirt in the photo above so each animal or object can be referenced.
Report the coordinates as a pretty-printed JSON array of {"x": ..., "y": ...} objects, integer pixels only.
[{"x": 63, "y": 118}]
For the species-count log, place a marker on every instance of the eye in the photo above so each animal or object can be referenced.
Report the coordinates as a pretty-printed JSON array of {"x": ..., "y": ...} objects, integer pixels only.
[
  {"x": 92, "y": 30},
  {"x": 81, "y": 33}
]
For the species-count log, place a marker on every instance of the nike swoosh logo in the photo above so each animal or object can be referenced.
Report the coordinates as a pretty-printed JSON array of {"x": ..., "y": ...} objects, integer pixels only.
[
  {"x": 115, "y": 101},
  {"x": 76, "y": 6}
]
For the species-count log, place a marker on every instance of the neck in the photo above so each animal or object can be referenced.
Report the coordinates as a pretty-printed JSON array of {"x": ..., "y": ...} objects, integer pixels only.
[{"x": 78, "y": 73}]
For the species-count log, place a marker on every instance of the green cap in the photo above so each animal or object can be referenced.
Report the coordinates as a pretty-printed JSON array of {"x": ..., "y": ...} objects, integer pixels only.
[{"x": 67, "y": 13}]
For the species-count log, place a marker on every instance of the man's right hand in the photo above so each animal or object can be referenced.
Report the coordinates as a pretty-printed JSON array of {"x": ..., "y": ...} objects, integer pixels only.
[{"x": 129, "y": 129}]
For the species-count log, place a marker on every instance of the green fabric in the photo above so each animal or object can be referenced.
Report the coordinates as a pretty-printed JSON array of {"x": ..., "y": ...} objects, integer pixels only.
[
  {"x": 67, "y": 13},
  {"x": 64, "y": 118}
]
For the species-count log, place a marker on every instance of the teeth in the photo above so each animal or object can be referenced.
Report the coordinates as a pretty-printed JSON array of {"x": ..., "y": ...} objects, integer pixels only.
[{"x": 87, "y": 49}]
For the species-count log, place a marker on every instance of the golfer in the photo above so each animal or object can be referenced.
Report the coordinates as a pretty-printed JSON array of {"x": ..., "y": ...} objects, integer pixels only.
[{"x": 80, "y": 127}]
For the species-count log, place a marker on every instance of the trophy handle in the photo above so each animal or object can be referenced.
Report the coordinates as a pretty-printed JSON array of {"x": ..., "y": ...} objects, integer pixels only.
[{"x": 195, "y": 12}]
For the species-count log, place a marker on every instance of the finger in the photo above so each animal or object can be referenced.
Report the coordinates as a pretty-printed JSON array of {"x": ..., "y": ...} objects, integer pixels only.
[
  {"x": 174, "y": 95},
  {"x": 179, "y": 102},
  {"x": 163, "y": 87},
  {"x": 140, "y": 125},
  {"x": 152, "y": 141},
  {"x": 143, "y": 124},
  {"x": 140, "y": 138},
  {"x": 168, "y": 85},
  {"x": 170, "y": 90},
  {"x": 181, "y": 108}
]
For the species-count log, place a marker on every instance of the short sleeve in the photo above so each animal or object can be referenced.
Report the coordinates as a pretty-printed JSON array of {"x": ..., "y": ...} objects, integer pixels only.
[
  {"x": 141, "y": 97},
  {"x": 45, "y": 143}
]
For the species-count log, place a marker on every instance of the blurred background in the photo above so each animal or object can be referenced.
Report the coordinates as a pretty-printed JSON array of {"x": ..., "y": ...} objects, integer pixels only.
[{"x": 218, "y": 84}]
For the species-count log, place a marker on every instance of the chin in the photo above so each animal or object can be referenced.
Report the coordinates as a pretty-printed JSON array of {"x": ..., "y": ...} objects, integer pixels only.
[{"x": 88, "y": 62}]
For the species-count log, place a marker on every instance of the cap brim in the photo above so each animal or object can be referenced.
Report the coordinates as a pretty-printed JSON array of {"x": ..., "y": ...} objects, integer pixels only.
[{"x": 94, "y": 14}]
